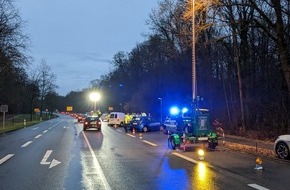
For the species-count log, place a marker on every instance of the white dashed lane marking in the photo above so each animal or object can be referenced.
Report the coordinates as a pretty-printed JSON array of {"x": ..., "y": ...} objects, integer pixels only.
[
  {"x": 6, "y": 158},
  {"x": 131, "y": 135},
  {"x": 37, "y": 136},
  {"x": 255, "y": 186},
  {"x": 26, "y": 144},
  {"x": 150, "y": 143}
]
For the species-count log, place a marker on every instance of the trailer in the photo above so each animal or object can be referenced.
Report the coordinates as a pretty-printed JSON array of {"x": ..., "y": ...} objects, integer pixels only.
[{"x": 192, "y": 131}]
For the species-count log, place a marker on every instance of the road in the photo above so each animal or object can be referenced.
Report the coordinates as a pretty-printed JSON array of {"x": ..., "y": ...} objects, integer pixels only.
[{"x": 57, "y": 154}]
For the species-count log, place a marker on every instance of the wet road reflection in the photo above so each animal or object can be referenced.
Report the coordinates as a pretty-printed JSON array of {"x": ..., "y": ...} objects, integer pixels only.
[
  {"x": 203, "y": 177},
  {"x": 142, "y": 167}
]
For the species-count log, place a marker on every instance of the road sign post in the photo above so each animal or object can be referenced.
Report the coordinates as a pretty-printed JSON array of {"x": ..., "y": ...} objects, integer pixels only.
[{"x": 4, "y": 109}]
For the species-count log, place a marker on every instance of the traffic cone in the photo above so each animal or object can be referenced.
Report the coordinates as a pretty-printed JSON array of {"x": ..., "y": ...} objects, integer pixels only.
[
  {"x": 133, "y": 132},
  {"x": 140, "y": 135},
  {"x": 258, "y": 164}
]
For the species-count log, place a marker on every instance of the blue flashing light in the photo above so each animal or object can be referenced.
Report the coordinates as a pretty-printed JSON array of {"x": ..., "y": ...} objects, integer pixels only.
[
  {"x": 184, "y": 110},
  {"x": 174, "y": 111}
]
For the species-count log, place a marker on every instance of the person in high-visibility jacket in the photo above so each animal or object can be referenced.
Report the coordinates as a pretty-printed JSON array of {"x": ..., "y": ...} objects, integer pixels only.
[{"x": 127, "y": 121}]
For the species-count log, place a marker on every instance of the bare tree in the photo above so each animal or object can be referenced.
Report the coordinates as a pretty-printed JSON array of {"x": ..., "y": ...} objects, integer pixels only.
[
  {"x": 32, "y": 91},
  {"x": 46, "y": 82},
  {"x": 273, "y": 17},
  {"x": 13, "y": 46}
]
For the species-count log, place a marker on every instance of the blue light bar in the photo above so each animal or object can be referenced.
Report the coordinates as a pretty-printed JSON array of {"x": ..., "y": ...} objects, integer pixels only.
[
  {"x": 174, "y": 111},
  {"x": 184, "y": 110}
]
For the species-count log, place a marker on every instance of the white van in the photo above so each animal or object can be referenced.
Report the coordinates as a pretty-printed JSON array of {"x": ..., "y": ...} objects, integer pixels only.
[{"x": 116, "y": 119}]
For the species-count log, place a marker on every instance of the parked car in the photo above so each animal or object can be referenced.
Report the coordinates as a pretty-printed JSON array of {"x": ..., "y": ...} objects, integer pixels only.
[
  {"x": 116, "y": 119},
  {"x": 144, "y": 124},
  {"x": 281, "y": 146},
  {"x": 92, "y": 122}
]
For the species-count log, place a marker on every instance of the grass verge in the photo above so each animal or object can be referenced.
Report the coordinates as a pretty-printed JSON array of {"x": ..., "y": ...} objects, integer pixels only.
[{"x": 21, "y": 121}]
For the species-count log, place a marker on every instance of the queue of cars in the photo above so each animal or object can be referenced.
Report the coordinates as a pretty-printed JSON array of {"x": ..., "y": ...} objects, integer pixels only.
[{"x": 81, "y": 117}]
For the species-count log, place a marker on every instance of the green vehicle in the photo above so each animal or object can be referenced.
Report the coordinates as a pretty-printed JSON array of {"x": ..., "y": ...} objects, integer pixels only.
[{"x": 195, "y": 130}]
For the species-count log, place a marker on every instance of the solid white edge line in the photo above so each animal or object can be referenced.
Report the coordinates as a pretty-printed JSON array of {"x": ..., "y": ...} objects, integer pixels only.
[
  {"x": 6, "y": 158},
  {"x": 26, "y": 144},
  {"x": 255, "y": 186},
  {"x": 98, "y": 167},
  {"x": 150, "y": 143}
]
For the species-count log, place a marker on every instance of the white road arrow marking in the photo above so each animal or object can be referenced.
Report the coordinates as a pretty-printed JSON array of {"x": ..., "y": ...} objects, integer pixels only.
[
  {"x": 45, "y": 157},
  {"x": 6, "y": 158},
  {"x": 54, "y": 163}
]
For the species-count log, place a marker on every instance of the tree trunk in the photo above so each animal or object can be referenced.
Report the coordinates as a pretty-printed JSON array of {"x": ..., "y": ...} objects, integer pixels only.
[{"x": 281, "y": 43}]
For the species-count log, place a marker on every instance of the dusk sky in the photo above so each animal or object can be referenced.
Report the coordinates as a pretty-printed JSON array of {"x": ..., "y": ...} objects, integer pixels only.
[{"x": 78, "y": 38}]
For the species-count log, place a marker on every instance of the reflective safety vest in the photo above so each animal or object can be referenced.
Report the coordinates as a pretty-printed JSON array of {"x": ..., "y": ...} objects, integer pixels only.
[{"x": 127, "y": 119}]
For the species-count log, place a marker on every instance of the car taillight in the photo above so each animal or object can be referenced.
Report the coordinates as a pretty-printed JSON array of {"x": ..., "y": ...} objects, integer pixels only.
[{"x": 86, "y": 123}]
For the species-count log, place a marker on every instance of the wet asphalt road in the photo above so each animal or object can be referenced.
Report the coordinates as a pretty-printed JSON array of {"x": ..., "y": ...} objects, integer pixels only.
[{"x": 57, "y": 154}]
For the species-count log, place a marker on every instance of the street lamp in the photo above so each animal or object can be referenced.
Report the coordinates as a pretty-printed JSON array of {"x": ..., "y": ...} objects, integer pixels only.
[
  {"x": 94, "y": 97},
  {"x": 121, "y": 107},
  {"x": 160, "y": 109},
  {"x": 194, "y": 86}
]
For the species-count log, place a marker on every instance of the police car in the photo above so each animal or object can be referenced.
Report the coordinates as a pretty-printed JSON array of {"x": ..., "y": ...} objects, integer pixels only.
[
  {"x": 169, "y": 126},
  {"x": 175, "y": 125}
]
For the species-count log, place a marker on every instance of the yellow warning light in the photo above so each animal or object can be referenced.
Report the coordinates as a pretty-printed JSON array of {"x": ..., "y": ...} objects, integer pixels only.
[
  {"x": 200, "y": 152},
  {"x": 259, "y": 160}
]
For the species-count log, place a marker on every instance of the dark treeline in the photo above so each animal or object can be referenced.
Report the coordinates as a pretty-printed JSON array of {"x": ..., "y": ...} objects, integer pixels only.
[
  {"x": 242, "y": 56},
  {"x": 242, "y": 62},
  {"x": 13, "y": 45}
]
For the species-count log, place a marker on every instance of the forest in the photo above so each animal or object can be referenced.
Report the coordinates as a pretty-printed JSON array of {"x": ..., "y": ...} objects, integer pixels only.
[{"x": 241, "y": 53}]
